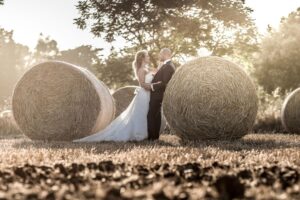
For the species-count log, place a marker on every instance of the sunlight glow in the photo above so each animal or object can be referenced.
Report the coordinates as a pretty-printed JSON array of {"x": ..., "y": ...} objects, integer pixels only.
[
  {"x": 28, "y": 18},
  {"x": 270, "y": 12}
]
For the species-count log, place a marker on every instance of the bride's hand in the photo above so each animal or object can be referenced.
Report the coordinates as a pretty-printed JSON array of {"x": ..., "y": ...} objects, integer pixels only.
[
  {"x": 147, "y": 86},
  {"x": 154, "y": 71}
]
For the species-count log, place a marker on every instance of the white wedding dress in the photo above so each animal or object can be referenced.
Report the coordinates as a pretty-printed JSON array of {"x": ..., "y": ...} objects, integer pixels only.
[{"x": 131, "y": 125}]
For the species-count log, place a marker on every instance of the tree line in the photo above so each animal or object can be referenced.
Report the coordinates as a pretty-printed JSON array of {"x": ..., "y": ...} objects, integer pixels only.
[{"x": 222, "y": 27}]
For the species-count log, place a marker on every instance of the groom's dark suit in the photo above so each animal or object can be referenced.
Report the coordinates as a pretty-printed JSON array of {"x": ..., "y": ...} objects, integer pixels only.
[{"x": 160, "y": 81}]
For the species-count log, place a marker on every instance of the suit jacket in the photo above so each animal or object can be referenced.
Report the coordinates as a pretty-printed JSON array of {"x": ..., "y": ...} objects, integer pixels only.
[{"x": 164, "y": 74}]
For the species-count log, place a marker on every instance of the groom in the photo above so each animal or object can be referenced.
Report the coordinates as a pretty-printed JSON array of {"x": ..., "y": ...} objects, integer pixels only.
[{"x": 157, "y": 89}]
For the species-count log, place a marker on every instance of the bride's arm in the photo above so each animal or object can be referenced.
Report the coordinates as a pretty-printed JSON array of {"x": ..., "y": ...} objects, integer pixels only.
[{"x": 141, "y": 78}]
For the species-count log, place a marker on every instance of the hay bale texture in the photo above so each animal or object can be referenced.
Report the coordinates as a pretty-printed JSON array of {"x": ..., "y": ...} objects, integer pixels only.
[
  {"x": 290, "y": 112},
  {"x": 210, "y": 98},
  {"x": 60, "y": 101},
  {"x": 123, "y": 96}
]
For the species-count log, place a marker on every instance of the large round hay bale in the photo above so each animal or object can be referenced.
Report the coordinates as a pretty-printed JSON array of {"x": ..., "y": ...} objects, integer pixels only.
[
  {"x": 210, "y": 98},
  {"x": 123, "y": 96},
  {"x": 6, "y": 114},
  {"x": 60, "y": 101},
  {"x": 290, "y": 112},
  {"x": 8, "y": 126}
]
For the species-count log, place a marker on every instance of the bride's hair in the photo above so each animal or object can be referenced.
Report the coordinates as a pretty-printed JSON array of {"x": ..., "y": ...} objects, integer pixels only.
[{"x": 138, "y": 60}]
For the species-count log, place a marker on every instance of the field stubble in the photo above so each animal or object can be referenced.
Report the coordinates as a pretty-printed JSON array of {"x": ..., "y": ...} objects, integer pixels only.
[{"x": 258, "y": 166}]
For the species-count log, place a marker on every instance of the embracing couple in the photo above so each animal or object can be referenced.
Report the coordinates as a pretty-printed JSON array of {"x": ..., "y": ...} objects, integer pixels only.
[{"x": 142, "y": 118}]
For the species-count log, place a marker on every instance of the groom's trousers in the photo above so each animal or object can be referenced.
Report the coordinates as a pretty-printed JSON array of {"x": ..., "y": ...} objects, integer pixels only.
[{"x": 154, "y": 118}]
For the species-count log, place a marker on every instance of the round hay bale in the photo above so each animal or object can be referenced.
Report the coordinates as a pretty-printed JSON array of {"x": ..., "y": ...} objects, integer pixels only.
[
  {"x": 8, "y": 126},
  {"x": 210, "y": 98},
  {"x": 6, "y": 114},
  {"x": 123, "y": 96},
  {"x": 60, "y": 101},
  {"x": 290, "y": 112}
]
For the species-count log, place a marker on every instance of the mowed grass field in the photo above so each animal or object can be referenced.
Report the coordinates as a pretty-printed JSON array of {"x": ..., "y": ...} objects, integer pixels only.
[
  {"x": 258, "y": 166},
  {"x": 252, "y": 150}
]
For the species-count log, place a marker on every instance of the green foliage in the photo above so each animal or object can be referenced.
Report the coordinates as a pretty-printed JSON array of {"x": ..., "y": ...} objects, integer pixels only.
[
  {"x": 46, "y": 49},
  {"x": 268, "y": 116},
  {"x": 221, "y": 26},
  {"x": 84, "y": 56},
  {"x": 1, "y": 2},
  {"x": 12, "y": 59},
  {"x": 278, "y": 63},
  {"x": 116, "y": 71}
]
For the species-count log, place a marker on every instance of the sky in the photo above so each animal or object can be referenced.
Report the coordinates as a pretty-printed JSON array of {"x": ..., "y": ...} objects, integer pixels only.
[{"x": 29, "y": 18}]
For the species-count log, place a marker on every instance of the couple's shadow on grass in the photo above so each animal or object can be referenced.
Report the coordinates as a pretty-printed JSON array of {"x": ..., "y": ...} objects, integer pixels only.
[{"x": 249, "y": 142}]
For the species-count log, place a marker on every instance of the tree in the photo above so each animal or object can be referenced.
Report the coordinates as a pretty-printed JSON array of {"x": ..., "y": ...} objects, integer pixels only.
[
  {"x": 1, "y": 2},
  {"x": 13, "y": 58},
  {"x": 46, "y": 49},
  {"x": 84, "y": 56},
  {"x": 116, "y": 71},
  {"x": 278, "y": 62},
  {"x": 221, "y": 26}
]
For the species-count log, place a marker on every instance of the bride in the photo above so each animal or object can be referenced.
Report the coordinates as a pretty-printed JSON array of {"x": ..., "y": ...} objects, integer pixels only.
[{"x": 131, "y": 125}]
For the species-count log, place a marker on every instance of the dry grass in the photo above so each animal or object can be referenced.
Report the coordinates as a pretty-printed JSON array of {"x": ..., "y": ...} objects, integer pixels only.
[
  {"x": 256, "y": 155},
  {"x": 251, "y": 151}
]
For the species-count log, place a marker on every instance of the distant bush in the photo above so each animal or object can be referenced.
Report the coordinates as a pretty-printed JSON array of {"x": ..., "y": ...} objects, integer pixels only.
[
  {"x": 8, "y": 127},
  {"x": 268, "y": 117}
]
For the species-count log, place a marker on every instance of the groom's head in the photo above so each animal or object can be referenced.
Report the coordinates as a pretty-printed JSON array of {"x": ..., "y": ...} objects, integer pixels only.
[{"x": 165, "y": 54}]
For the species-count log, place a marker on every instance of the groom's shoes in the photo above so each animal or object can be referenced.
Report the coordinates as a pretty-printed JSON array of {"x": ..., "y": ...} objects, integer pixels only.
[{"x": 152, "y": 139}]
